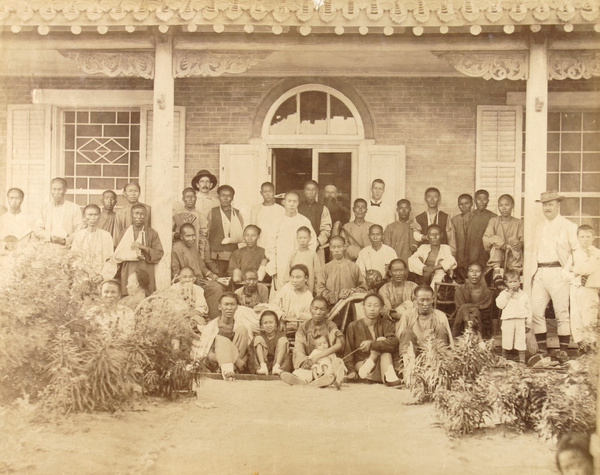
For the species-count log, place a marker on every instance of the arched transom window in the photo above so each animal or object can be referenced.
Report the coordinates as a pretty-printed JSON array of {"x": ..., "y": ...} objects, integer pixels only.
[{"x": 314, "y": 110}]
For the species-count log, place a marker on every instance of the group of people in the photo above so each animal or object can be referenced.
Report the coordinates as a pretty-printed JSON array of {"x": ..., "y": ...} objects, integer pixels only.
[{"x": 251, "y": 287}]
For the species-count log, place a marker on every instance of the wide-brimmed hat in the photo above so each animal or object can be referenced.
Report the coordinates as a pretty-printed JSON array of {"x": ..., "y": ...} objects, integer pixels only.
[
  {"x": 550, "y": 195},
  {"x": 202, "y": 174}
]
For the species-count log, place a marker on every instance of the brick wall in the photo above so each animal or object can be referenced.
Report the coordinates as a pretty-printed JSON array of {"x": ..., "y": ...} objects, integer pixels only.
[{"x": 435, "y": 118}]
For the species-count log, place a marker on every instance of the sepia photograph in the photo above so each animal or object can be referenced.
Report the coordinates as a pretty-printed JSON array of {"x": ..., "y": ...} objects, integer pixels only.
[{"x": 299, "y": 237}]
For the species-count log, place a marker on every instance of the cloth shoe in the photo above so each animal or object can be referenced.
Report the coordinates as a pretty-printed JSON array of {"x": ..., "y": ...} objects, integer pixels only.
[
  {"x": 276, "y": 369},
  {"x": 322, "y": 381},
  {"x": 263, "y": 369},
  {"x": 366, "y": 369},
  {"x": 292, "y": 379}
]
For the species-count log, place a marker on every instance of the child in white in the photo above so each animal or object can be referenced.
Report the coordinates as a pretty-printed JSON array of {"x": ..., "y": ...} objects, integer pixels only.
[
  {"x": 319, "y": 367},
  {"x": 516, "y": 314},
  {"x": 584, "y": 300}
]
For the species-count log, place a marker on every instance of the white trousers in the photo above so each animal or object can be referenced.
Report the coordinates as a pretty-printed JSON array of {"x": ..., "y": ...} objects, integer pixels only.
[
  {"x": 584, "y": 313},
  {"x": 549, "y": 284}
]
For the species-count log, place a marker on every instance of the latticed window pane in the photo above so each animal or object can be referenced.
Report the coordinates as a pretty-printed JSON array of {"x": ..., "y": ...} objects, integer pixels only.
[{"x": 100, "y": 151}]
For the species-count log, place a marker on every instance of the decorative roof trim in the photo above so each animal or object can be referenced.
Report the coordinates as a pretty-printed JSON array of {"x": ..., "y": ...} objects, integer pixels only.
[
  {"x": 344, "y": 13},
  {"x": 111, "y": 64},
  {"x": 207, "y": 63}
]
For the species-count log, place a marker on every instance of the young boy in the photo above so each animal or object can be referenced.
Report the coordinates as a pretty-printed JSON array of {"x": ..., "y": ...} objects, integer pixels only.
[
  {"x": 584, "y": 300},
  {"x": 251, "y": 256},
  {"x": 306, "y": 256},
  {"x": 131, "y": 192},
  {"x": 398, "y": 235},
  {"x": 475, "y": 294},
  {"x": 267, "y": 215},
  {"x": 95, "y": 244},
  {"x": 356, "y": 233},
  {"x": 340, "y": 277},
  {"x": 516, "y": 314},
  {"x": 271, "y": 347},
  {"x": 460, "y": 222},
  {"x": 253, "y": 292},
  {"x": 478, "y": 221},
  {"x": 433, "y": 215},
  {"x": 110, "y": 315},
  {"x": 434, "y": 260}
]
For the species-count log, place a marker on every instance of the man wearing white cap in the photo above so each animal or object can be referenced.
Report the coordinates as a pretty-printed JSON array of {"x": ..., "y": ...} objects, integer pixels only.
[{"x": 555, "y": 240}]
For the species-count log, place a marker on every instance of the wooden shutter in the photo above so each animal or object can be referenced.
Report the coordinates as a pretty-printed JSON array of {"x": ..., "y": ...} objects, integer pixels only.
[
  {"x": 499, "y": 153},
  {"x": 243, "y": 168},
  {"x": 178, "y": 176},
  {"x": 387, "y": 162},
  {"x": 29, "y": 153}
]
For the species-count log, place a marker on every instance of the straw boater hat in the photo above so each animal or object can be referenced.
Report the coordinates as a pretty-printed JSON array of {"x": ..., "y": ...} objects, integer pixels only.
[
  {"x": 550, "y": 195},
  {"x": 201, "y": 174}
]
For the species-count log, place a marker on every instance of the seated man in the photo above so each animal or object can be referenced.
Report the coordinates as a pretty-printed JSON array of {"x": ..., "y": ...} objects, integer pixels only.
[
  {"x": 432, "y": 261},
  {"x": 398, "y": 293},
  {"x": 224, "y": 341},
  {"x": 423, "y": 322},
  {"x": 14, "y": 224},
  {"x": 95, "y": 245},
  {"x": 110, "y": 315},
  {"x": 250, "y": 256},
  {"x": 340, "y": 277},
  {"x": 306, "y": 342},
  {"x": 59, "y": 218},
  {"x": 377, "y": 256},
  {"x": 475, "y": 294},
  {"x": 139, "y": 248},
  {"x": 131, "y": 192},
  {"x": 253, "y": 292},
  {"x": 294, "y": 298},
  {"x": 192, "y": 295},
  {"x": 185, "y": 254},
  {"x": 372, "y": 345},
  {"x": 137, "y": 289}
]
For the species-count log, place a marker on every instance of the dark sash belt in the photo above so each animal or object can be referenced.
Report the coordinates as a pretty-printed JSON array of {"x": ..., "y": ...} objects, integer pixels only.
[{"x": 549, "y": 264}]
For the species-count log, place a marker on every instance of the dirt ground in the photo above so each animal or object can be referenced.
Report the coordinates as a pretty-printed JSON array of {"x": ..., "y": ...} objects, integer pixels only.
[{"x": 267, "y": 427}]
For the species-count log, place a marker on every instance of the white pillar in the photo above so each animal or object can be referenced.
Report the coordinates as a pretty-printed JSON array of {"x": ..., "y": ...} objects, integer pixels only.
[
  {"x": 162, "y": 153},
  {"x": 536, "y": 136}
]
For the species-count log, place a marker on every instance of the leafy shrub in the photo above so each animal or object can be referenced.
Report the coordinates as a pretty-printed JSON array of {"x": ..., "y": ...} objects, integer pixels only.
[{"x": 463, "y": 409}]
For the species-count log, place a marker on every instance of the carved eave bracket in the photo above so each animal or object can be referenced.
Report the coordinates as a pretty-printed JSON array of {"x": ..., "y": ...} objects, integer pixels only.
[
  {"x": 210, "y": 63},
  {"x": 573, "y": 64},
  {"x": 496, "y": 65},
  {"x": 114, "y": 64}
]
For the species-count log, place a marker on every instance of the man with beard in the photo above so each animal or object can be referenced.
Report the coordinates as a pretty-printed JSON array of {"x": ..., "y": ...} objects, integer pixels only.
[
  {"x": 339, "y": 214},
  {"x": 253, "y": 292},
  {"x": 203, "y": 182}
]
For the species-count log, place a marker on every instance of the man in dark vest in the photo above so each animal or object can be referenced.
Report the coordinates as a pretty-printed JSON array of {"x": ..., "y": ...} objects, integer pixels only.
[
  {"x": 225, "y": 232},
  {"x": 434, "y": 216},
  {"x": 317, "y": 213}
]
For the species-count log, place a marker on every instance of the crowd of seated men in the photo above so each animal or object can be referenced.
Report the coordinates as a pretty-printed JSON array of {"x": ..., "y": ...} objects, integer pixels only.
[{"x": 252, "y": 289}]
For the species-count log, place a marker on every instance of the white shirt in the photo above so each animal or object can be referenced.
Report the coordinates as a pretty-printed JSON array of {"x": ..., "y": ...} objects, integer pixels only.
[
  {"x": 382, "y": 214},
  {"x": 369, "y": 258},
  {"x": 18, "y": 225},
  {"x": 548, "y": 241},
  {"x": 267, "y": 219}
]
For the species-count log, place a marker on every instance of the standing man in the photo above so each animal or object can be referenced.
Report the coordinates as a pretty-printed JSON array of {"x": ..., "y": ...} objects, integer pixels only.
[
  {"x": 95, "y": 245},
  {"x": 461, "y": 223},
  {"x": 225, "y": 232},
  {"x": 59, "y": 218},
  {"x": 188, "y": 214},
  {"x": 317, "y": 213},
  {"x": 14, "y": 222},
  {"x": 356, "y": 232},
  {"x": 555, "y": 240},
  {"x": 203, "y": 182},
  {"x": 285, "y": 243},
  {"x": 131, "y": 192},
  {"x": 267, "y": 215},
  {"x": 108, "y": 218},
  {"x": 379, "y": 212},
  {"x": 434, "y": 216},
  {"x": 478, "y": 221},
  {"x": 398, "y": 235},
  {"x": 339, "y": 214}
]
